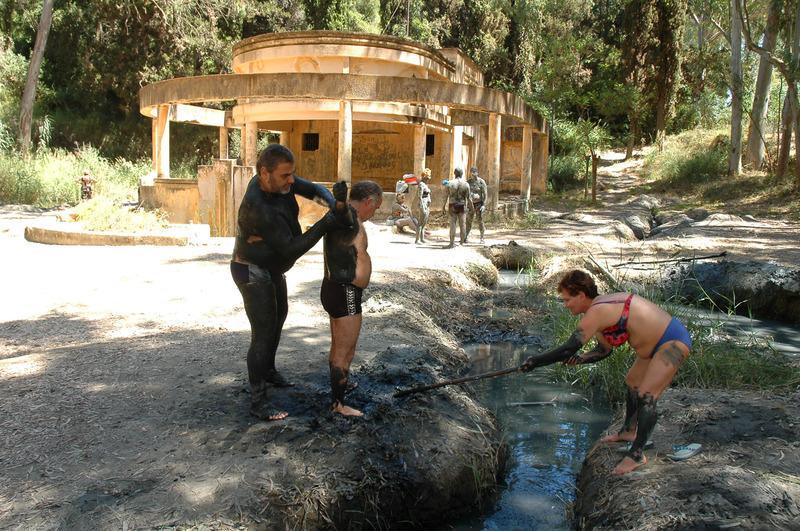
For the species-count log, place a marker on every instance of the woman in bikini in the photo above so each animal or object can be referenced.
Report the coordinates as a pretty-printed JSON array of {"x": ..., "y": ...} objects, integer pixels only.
[{"x": 660, "y": 341}]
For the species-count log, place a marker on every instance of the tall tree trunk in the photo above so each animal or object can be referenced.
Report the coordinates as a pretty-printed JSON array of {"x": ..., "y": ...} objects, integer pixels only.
[
  {"x": 785, "y": 132},
  {"x": 29, "y": 94},
  {"x": 633, "y": 139},
  {"x": 661, "y": 120},
  {"x": 793, "y": 92},
  {"x": 594, "y": 176},
  {"x": 754, "y": 154},
  {"x": 735, "y": 154}
]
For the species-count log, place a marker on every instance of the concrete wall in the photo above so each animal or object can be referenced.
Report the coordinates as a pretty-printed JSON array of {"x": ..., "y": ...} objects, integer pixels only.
[{"x": 179, "y": 198}]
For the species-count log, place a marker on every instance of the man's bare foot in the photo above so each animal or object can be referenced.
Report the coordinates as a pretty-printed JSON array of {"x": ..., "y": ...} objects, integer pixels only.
[
  {"x": 628, "y": 464},
  {"x": 628, "y": 436},
  {"x": 347, "y": 411}
]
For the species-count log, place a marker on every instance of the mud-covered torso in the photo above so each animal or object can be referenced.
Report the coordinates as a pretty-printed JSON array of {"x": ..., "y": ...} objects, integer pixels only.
[
  {"x": 459, "y": 191},
  {"x": 259, "y": 214},
  {"x": 424, "y": 195},
  {"x": 477, "y": 187},
  {"x": 341, "y": 256}
]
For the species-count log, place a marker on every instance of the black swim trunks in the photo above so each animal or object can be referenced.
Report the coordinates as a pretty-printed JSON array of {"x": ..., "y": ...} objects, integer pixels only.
[{"x": 340, "y": 300}]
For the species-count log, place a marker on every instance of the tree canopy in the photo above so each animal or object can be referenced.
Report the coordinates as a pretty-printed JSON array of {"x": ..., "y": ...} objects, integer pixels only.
[{"x": 641, "y": 67}]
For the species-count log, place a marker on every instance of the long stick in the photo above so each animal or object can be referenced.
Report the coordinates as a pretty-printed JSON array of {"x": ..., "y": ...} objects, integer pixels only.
[
  {"x": 684, "y": 259},
  {"x": 422, "y": 388}
]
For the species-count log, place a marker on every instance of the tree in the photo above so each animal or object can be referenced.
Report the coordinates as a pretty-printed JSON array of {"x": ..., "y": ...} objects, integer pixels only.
[
  {"x": 29, "y": 93},
  {"x": 754, "y": 154},
  {"x": 670, "y": 16},
  {"x": 594, "y": 138},
  {"x": 735, "y": 154},
  {"x": 789, "y": 68}
]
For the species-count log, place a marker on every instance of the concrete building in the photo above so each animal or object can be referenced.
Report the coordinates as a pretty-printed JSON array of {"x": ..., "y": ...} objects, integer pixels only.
[{"x": 351, "y": 107}]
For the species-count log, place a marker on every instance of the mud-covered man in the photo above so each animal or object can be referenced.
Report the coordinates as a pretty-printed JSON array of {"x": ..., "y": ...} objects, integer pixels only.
[
  {"x": 347, "y": 271},
  {"x": 478, "y": 191},
  {"x": 457, "y": 203},
  {"x": 268, "y": 243}
]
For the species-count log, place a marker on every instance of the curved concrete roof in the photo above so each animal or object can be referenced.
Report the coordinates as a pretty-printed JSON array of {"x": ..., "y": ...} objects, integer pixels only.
[
  {"x": 226, "y": 87},
  {"x": 248, "y": 52}
]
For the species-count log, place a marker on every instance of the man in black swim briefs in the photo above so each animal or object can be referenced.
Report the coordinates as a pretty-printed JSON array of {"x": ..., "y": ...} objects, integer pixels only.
[
  {"x": 268, "y": 243},
  {"x": 347, "y": 271}
]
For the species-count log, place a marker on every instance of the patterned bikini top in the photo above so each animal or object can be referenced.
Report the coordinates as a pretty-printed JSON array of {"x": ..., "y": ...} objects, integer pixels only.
[{"x": 617, "y": 334}]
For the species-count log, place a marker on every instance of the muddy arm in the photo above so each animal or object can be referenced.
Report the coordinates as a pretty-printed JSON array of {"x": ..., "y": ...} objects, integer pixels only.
[{"x": 560, "y": 353}]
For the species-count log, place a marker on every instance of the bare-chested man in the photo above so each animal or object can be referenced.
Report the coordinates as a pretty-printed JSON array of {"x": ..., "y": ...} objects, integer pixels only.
[{"x": 347, "y": 271}]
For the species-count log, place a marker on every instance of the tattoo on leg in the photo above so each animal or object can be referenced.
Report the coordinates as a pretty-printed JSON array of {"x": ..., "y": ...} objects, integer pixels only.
[{"x": 673, "y": 355}]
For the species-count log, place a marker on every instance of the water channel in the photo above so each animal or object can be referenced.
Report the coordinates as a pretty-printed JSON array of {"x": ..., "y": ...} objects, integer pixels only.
[{"x": 549, "y": 427}]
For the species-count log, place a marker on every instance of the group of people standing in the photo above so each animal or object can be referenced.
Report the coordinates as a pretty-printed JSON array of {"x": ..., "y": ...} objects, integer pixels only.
[{"x": 464, "y": 201}]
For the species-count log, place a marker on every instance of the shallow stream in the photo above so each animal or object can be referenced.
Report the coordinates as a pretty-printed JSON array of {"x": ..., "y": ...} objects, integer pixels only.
[{"x": 548, "y": 427}]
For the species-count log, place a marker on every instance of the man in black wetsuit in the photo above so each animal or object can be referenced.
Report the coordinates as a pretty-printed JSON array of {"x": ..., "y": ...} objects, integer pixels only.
[
  {"x": 268, "y": 243},
  {"x": 347, "y": 271}
]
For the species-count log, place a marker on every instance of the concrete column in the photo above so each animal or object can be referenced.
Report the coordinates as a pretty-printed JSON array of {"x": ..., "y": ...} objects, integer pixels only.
[
  {"x": 420, "y": 133},
  {"x": 223, "y": 142},
  {"x": 284, "y": 139},
  {"x": 539, "y": 166},
  {"x": 162, "y": 142},
  {"x": 456, "y": 149},
  {"x": 154, "y": 143},
  {"x": 527, "y": 162},
  {"x": 250, "y": 144},
  {"x": 493, "y": 148},
  {"x": 345, "y": 163}
]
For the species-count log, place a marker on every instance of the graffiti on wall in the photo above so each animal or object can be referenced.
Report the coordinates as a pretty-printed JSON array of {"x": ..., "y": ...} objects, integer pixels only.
[{"x": 370, "y": 156}]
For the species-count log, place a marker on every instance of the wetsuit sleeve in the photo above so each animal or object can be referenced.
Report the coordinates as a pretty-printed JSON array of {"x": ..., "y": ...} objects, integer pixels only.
[
  {"x": 278, "y": 250},
  {"x": 559, "y": 353},
  {"x": 312, "y": 191}
]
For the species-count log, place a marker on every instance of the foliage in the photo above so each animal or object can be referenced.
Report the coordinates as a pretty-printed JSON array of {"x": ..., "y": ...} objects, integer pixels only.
[
  {"x": 564, "y": 171},
  {"x": 689, "y": 158},
  {"x": 50, "y": 178},
  {"x": 104, "y": 214}
]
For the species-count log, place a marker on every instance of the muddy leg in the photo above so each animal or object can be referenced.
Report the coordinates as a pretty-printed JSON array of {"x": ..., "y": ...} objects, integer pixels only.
[
  {"x": 281, "y": 310},
  {"x": 453, "y": 221},
  {"x": 344, "y": 336},
  {"x": 646, "y": 405}
]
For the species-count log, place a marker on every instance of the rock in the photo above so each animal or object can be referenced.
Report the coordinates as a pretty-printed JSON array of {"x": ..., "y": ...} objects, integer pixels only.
[
  {"x": 646, "y": 202},
  {"x": 672, "y": 226},
  {"x": 510, "y": 256},
  {"x": 719, "y": 219},
  {"x": 639, "y": 224},
  {"x": 623, "y": 231},
  {"x": 760, "y": 289},
  {"x": 698, "y": 214},
  {"x": 748, "y": 217},
  {"x": 577, "y": 216}
]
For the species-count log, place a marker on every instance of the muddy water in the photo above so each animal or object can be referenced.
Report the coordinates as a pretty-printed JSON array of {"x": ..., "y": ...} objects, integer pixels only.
[{"x": 548, "y": 427}]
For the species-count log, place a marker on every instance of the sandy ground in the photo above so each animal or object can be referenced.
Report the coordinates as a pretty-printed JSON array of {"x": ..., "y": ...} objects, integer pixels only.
[{"x": 124, "y": 396}]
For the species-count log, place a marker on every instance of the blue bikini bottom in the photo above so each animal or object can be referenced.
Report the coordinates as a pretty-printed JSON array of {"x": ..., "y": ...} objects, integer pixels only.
[{"x": 675, "y": 332}]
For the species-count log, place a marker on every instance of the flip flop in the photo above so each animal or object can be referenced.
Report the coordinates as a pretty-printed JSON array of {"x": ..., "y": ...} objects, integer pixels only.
[
  {"x": 625, "y": 448},
  {"x": 682, "y": 452}
]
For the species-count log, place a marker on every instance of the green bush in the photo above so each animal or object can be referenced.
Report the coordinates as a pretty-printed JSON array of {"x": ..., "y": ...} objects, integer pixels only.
[
  {"x": 50, "y": 178},
  {"x": 692, "y": 157},
  {"x": 103, "y": 214},
  {"x": 565, "y": 172}
]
